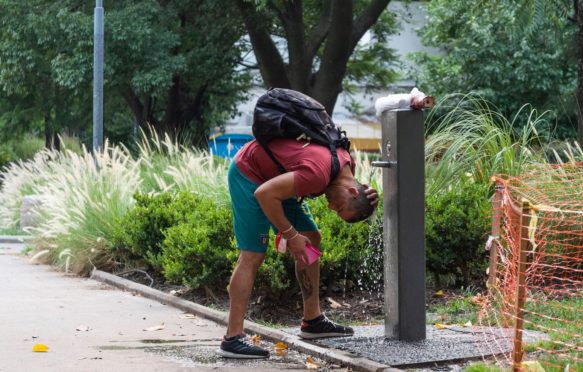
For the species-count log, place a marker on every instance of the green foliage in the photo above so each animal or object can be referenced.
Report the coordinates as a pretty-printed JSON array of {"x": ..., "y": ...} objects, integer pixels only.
[
  {"x": 200, "y": 251},
  {"x": 184, "y": 236},
  {"x": 26, "y": 147},
  {"x": 6, "y": 155},
  {"x": 509, "y": 52},
  {"x": 142, "y": 230},
  {"x": 456, "y": 231},
  {"x": 160, "y": 67},
  {"x": 481, "y": 367},
  {"x": 473, "y": 137}
]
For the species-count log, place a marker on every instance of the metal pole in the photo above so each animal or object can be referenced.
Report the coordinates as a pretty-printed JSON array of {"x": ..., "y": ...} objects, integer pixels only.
[
  {"x": 98, "y": 52},
  {"x": 496, "y": 216},
  {"x": 404, "y": 224}
]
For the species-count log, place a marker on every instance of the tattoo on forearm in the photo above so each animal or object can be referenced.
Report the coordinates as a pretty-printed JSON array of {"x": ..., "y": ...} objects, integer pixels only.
[{"x": 305, "y": 284}]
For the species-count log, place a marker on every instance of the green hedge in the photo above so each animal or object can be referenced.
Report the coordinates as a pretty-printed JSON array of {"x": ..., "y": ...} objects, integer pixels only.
[
  {"x": 457, "y": 223},
  {"x": 190, "y": 240},
  {"x": 184, "y": 236}
]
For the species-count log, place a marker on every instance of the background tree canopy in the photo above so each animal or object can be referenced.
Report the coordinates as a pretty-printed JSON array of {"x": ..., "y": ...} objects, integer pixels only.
[
  {"x": 169, "y": 64},
  {"x": 509, "y": 52},
  {"x": 182, "y": 66},
  {"x": 313, "y": 46}
]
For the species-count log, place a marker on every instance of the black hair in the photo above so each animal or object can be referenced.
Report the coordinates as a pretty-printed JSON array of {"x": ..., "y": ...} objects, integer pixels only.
[{"x": 360, "y": 205}]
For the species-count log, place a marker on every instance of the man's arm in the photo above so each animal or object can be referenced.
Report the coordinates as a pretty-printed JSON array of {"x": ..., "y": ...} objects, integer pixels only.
[{"x": 270, "y": 195}]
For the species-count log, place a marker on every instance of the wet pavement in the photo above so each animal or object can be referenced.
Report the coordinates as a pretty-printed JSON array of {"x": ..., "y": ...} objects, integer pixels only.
[
  {"x": 452, "y": 344},
  {"x": 88, "y": 326}
]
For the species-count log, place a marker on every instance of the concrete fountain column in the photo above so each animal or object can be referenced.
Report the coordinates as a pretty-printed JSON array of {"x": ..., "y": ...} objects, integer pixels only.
[{"x": 403, "y": 163}]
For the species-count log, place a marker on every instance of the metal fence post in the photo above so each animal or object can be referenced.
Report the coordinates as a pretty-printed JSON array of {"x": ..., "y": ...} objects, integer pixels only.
[{"x": 495, "y": 235}]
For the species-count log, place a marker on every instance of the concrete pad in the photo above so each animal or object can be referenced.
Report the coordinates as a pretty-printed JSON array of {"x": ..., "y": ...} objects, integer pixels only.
[
  {"x": 40, "y": 305},
  {"x": 449, "y": 345}
]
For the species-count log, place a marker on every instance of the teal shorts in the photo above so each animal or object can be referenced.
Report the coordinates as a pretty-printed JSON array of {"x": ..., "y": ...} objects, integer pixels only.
[{"x": 251, "y": 224}]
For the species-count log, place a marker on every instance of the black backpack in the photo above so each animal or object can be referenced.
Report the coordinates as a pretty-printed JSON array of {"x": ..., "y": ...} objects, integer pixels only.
[{"x": 291, "y": 114}]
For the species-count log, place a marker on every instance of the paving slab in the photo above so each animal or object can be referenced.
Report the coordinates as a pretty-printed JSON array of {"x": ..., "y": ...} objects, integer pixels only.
[
  {"x": 451, "y": 344},
  {"x": 89, "y": 326}
]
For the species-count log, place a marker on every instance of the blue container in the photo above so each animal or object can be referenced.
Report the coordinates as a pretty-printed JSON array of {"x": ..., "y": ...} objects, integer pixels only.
[{"x": 227, "y": 145}]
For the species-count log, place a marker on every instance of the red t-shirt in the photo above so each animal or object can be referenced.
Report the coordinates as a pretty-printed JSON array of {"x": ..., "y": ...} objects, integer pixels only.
[{"x": 312, "y": 165}]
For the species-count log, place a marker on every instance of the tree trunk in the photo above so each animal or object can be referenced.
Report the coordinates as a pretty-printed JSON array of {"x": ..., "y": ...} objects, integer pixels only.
[
  {"x": 579, "y": 16},
  {"x": 338, "y": 30},
  {"x": 52, "y": 139}
]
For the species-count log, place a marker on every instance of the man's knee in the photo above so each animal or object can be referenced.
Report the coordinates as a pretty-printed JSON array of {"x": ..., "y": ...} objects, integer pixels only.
[{"x": 250, "y": 260}]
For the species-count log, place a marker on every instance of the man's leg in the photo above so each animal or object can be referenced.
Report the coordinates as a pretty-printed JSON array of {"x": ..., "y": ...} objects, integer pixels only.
[
  {"x": 315, "y": 324},
  {"x": 234, "y": 344},
  {"x": 240, "y": 289},
  {"x": 308, "y": 277}
]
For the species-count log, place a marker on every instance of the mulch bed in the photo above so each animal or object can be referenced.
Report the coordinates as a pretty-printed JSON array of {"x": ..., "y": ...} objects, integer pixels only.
[{"x": 353, "y": 307}]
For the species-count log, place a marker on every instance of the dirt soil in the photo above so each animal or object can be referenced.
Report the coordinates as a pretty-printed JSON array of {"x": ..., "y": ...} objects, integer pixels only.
[{"x": 352, "y": 306}]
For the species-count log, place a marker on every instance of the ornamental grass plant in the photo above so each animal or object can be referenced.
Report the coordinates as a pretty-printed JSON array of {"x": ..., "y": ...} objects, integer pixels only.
[
  {"x": 85, "y": 195},
  {"x": 473, "y": 138}
]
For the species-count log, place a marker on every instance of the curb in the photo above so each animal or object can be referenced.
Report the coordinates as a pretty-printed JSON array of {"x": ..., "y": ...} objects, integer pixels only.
[
  {"x": 14, "y": 239},
  {"x": 343, "y": 358}
]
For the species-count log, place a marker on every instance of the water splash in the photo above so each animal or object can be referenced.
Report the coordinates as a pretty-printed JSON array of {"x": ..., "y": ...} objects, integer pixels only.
[{"x": 370, "y": 281}]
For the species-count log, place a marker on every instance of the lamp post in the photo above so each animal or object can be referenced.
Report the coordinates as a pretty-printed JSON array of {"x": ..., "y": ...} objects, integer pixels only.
[{"x": 98, "y": 52}]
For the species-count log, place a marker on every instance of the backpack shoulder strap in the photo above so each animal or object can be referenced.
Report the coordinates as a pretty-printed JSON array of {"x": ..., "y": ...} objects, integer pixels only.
[{"x": 280, "y": 168}]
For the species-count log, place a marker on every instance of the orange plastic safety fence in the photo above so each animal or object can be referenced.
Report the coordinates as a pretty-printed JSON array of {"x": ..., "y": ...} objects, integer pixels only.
[{"x": 534, "y": 305}]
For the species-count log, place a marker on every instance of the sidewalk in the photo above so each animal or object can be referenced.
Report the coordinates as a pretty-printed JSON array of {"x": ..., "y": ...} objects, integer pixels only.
[{"x": 40, "y": 305}]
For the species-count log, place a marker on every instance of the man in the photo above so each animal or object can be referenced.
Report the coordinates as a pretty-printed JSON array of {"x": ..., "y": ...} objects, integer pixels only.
[{"x": 263, "y": 198}]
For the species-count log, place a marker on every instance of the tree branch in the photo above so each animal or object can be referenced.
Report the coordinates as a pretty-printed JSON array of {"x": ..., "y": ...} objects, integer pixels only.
[
  {"x": 135, "y": 105},
  {"x": 367, "y": 18},
  {"x": 292, "y": 18},
  {"x": 251, "y": 67},
  {"x": 268, "y": 57},
  {"x": 328, "y": 81},
  {"x": 319, "y": 32}
]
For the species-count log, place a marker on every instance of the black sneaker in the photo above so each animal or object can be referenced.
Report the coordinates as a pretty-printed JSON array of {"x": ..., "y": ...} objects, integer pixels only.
[
  {"x": 323, "y": 327},
  {"x": 239, "y": 348}
]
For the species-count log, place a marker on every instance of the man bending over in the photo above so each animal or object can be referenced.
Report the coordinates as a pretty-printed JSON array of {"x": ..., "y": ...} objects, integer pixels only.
[{"x": 263, "y": 198}]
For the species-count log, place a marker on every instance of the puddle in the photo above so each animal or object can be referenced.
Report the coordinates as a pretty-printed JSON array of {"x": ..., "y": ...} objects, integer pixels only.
[
  {"x": 198, "y": 354},
  {"x": 162, "y": 341}
]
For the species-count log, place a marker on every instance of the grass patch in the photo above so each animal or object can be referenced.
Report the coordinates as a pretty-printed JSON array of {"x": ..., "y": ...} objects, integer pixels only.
[
  {"x": 561, "y": 321},
  {"x": 481, "y": 367},
  {"x": 11, "y": 231},
  {"x": 456, "y": 309}
]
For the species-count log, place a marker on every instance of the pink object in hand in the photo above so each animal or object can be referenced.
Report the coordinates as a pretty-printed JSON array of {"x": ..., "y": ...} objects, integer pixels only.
[{"x": 313, "y": 254}]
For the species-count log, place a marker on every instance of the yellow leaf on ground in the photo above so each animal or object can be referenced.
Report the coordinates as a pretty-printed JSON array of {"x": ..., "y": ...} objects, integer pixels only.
[
  {"x": 154, "y": 328},
  {"x": 40, "y": 348},
  {"x": 438, "y": 293},
  {"x": 281, "y": 346},
  {"x": 333, "y": 304},
  {"x": 310, "y": 364},
  {"x": 440, "y": 326},
  {"x": 468, "y": 324},
  {"x": 187, "y": 316},
  {"x": 255, "y": 340},
  {"x": 280, "y": 349}
]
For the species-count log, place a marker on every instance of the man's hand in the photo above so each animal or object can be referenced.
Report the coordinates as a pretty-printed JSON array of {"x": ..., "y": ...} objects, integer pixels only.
[
  {"x": 297, "y": 247},
  {"x": 372, "y": 195}
]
